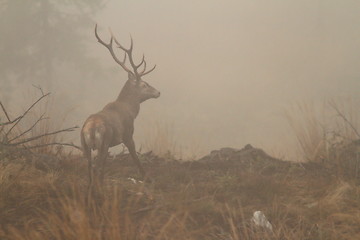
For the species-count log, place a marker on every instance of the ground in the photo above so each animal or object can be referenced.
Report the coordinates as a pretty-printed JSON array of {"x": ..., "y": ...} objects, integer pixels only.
[{"x": 46, "y": 197}]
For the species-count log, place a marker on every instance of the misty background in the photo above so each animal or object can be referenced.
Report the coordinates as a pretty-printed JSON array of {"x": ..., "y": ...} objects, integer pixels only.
[{"x": 226, "y": 70}]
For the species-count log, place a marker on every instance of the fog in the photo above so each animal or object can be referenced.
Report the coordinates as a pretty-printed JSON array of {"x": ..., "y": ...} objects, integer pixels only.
[{"x": 226, "y": 70}]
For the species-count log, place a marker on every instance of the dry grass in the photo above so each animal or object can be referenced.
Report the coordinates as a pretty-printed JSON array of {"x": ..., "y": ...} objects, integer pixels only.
[
  {"x": 45, "y": 196},
  {"x": 309, "y": 130},
  {"x": 322, "y": 130},
  {"x": 184, "y": 201},
  {"x": 160, "y": 139}
]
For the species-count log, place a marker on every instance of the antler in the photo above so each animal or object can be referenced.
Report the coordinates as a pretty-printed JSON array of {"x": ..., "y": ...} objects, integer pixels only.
[
  {"x": 109, "y": 46},
  {"x": 131, "y": 60},
  {"x": 128, "y": 52}
]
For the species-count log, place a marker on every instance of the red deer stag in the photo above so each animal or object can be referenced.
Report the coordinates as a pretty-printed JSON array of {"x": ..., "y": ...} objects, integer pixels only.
[{"x": 114, "y": 124}]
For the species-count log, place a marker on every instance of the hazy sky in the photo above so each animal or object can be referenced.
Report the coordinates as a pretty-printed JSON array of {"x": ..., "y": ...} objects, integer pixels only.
[{"x": 228, "y": 69}]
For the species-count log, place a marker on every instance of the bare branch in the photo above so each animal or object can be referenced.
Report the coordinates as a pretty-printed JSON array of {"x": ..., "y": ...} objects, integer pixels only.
[
  {"x": 23, "y": 133},
  {"x": 40, "y": 89},
  {"x": 11, "y": 122},
  {"x": 42, "y": 135},
  {"x": 24, "y": 114},
  {"x": 4, "y": 110}
]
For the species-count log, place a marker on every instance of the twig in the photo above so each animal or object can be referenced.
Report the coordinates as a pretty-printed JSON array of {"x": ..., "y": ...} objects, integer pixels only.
[
  {"x": 55, "y": 143},
  {"x": 344, "y": 118},
  {"x": 2, "y": 125},
  {"x": 11, "y": 122},
  {"x": 24, "y": 114},
  {"x": 6, "y": 114},
  {"x": 144, "y": 209},
  {"x": 42, "y": 135},
  {"x": 23, "y": 133},
  {"x": 40, "y": 89}
]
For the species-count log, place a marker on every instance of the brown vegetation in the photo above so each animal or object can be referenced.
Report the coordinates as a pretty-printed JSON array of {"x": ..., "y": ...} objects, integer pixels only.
[
  {"x": 213, "y": 198},
  {"x": 44, "y": 195}
]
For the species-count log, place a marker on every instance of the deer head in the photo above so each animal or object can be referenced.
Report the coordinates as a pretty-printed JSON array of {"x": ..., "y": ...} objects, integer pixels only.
[{"x": 135, "y": 87}]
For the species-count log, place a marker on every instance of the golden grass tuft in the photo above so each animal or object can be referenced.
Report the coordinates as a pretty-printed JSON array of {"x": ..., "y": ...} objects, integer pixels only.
[
  {"x": 308, "y": 129},
  {"x": 324, "y": 132},
  {"x": 160, "y": 139}
]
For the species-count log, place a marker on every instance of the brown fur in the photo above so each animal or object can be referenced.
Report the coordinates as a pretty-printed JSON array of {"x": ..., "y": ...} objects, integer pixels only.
[{"x": 114, "y": 125}]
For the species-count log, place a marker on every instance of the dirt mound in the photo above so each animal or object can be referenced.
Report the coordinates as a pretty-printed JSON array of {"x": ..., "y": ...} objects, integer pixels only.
[
  {"x": 346, "y": 157},
  {"x": 231, "y": 160},
  {"x": 247, "y": 153},
  {"x": 247, "y": 158}
]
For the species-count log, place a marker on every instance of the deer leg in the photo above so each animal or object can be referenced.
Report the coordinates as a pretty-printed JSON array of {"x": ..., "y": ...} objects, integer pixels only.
[
  {"x": 102, "y": 159},
  {"x": 131, "y": 146},
  {"x": 90, "y": 171},
  {"x": 87, "y": 155}
]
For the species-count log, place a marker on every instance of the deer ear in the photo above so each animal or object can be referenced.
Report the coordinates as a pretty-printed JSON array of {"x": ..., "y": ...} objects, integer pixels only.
[{"x": 131, "y": 76}]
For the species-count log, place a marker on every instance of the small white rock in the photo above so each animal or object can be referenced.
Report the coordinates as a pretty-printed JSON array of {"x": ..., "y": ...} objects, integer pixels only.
[
  {"x": 133, "y": 180},
  {"x": 259, "y": 219}
]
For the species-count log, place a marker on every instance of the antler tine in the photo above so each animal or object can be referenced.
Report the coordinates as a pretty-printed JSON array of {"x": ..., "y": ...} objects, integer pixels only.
[
  {"x": 131, "y": 43},
  {"x": 124, "y": 58},
  {"x": 144, "y": 73},
  {"x": 142, "y": 61},
  {"x": 109, "y": 46},
  {"x": 131, "y": 60},
  {"x": 99, "y": 39},
  {"x": 119, "y": 45},
  {"x": 128, "y": 51}
]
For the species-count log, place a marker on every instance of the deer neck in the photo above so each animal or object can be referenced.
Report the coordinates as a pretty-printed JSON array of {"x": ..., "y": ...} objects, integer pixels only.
[{"x": 130, "y": 100}]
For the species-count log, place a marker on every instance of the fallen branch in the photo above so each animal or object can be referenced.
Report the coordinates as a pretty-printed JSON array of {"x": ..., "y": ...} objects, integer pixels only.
[{"x": 55, "y": 143}]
